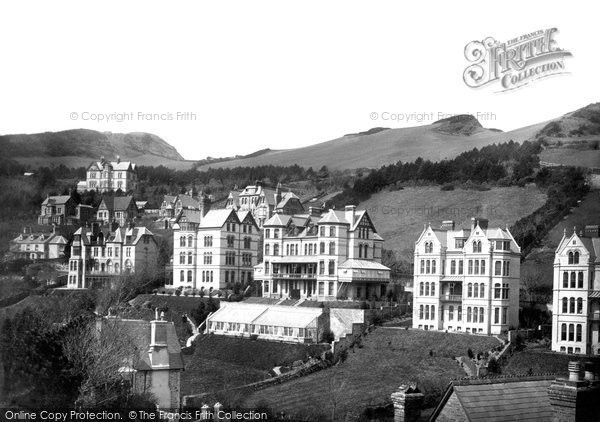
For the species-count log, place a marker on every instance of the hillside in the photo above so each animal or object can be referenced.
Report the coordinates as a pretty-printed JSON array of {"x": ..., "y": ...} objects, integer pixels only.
[
  {"x": 399, "y": 215},
  {"x": 372, "y": 149},
  {"x": 387, "y": 358},
  {"x": 78, "y": 147}
]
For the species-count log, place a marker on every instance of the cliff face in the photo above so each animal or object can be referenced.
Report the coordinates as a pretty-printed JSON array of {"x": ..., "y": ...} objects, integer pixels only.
[{"x": 88, "y": 144}]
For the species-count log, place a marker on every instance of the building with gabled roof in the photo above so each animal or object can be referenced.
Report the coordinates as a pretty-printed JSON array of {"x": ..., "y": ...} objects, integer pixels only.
[
  {"x": 38, "y": 245},
  {"x": 335, "y": 255},
  {"x": 121, "y": 210},
  {"x": 576, "y": 293},
  {"x": 263, "y": 202},
  {"x": 58, "y": 210},
  {"x": 157, "y": 364},
  {"x": 104, "y": 175},
  {"x": 99, "y": 254},
  {"x": 466, "y": 279},
  {"x": 214, "y": 249}
]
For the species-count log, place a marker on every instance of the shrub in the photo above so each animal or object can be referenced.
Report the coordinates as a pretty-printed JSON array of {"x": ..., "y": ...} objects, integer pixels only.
[
  {"x": 494, "y": 366},
  {"x": 343, "y": 355},
  {"x": 327, "y": 336},
  {"x": 470, "y": 353},
  {"x": 178, "y": 292}
]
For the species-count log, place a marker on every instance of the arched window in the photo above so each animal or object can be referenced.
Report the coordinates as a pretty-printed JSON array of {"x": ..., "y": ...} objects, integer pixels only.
[
  {"x": 421, "y": 285},
  {"x": 332, "y": 248},
  {"x": 476, "y": 266},
  {"x": 182, "y": 242},
  {"x": 475, "y": 314},
  {"x": 267, "y": 249},
  {"x": 570, "y": 257},
  {"x": 432, "y": 289},
  {"x": 190, "y": 240},
  {"x": 481, "y": 314},
  {"x": 573, "y": 280},
  {"x": 563, "y": 332},
  {"x": 459, "y": 317},
  {"x": 182, "y": 275},
  {"x": 565, "y": 280},
  {"x": 128, "y": 265},
  {"x": 470, "y": 290},
  {"x": 422, "y": 266},
  {"x": 481, "y": 290},
  {"x": 474, "y": 246},
  {"x": 482, "y": 266},
  {"x": 571, "y": 332},
  {"x": 189, "y": 276},
  {"x": 432, "y": 311},
  {"x": 182, "y": 257},
  {"x": 426, "y": 311},
  {"x": 565, "y": 305},
  {"x": 190, "y": 258},
  {"x": 109, "y": 266},
  {"x": 427, "y": 289},
  {"x": 580, "y": 280},
  {"x": 579, "y": 305},
  {"x": 322, "y": 248},
  {"x": 576, "y": 258},
  {"x": 117, "y": 268},
  {"x": 460, "y": 267},
  {"x": 497, "y": 268},
  {"x": 578, "y": 338},
  {"x": 469, "y": 314},
  {"x": 421, "y": 312},
  {"x": 450, "y": 313},
  {"x": 203, "y": 276},
  {"x": 572, "y": 305},
  {"x": 331, "y": 267},
  {"x": 479, "y": 246},
  {"x": 497, "y": 290},
  {"x": 476, "y": 290},
  {"x": 366, "y": 251},
  {"x": 433, "y": 266},
  {"x": 453, "y": 267}
]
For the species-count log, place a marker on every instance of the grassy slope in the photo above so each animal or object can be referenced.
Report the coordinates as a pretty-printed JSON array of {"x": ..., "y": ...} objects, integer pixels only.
[
  {"x": 389, "y": 358},
  {"x": 389, "y": 146},
  {"x": 539, "y": 361},
  {"x": 220, "y": 363},
  {"x": 399, "y": 215},
  {"x": 540, "y": 260}
]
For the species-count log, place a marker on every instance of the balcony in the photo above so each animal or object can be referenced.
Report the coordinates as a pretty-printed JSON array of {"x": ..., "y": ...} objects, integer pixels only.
[
  {"x": 294, "y": 276},
  {"x": 451, "y": 298}
]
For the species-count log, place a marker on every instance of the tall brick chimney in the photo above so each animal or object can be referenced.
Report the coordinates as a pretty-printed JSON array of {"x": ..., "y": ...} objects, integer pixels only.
[
  {"x": 407, "y": 403},
  {"x": 576, "y": 399}
]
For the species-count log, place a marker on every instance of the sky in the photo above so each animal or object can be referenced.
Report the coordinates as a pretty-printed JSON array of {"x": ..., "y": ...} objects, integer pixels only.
[{"x": 244, "y": 75}]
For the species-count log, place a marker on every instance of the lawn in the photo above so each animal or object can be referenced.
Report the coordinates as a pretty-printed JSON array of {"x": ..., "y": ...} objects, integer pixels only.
[
  {"x": 400, "y": 215},
  {"x": 389, "y": 357},
  {"x": 221, "y": 363},
  {"x": 538, "y": 360}
]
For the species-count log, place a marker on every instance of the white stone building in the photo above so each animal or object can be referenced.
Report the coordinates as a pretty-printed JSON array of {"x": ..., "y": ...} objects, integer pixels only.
[
  {"x": 576, "y": 293},
  {"x": 336, "y": 255},
  {"x": 38, "y": 245},
  {"x": 104, "y": 175},
  {"x": 214, "y": 249},
  {"x": 466, "y": 279},
  {"x": 98, "y": 254}
]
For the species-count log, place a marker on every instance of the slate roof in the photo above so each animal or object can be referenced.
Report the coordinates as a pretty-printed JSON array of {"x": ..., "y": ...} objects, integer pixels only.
[
  {"x": 499, "y": 399},
  {"x": 216, "y": 218},
  {"x": 56, "y": 200},
  {"x": 117, "y": 203},
  {"x": 116, "y": 166}
]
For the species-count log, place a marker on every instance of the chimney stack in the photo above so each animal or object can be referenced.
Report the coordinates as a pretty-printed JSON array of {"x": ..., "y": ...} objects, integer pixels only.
[
  {"x": 478, "y": 221},
  {"x": 575, "y": 399},
  {"x": 407, "y": 403},
  {"x": 448, "y": 225},
  {"x": 350, "y": 211}
]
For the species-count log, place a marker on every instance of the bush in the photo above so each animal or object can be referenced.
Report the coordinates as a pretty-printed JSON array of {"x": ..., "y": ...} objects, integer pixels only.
[
  {"x": 494, "y": 366},
  {"x": 327, "y": 337},
  {"x": 343, "y": 355},
  {"x": 470, "y": 353}
]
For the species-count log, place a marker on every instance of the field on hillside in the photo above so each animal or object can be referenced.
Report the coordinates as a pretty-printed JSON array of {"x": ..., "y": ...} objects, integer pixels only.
[
  {"x": 385, "y": 147},
  {"x": 221, "y": 363},
  {"x": 571, "y": 157},
  {"x": 389, "y": 357},
  {"x": 399, "y": 215}
]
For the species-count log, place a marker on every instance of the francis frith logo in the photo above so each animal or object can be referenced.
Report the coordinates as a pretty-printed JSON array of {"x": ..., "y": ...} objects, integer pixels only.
[{"x": 514, "y": 63}]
